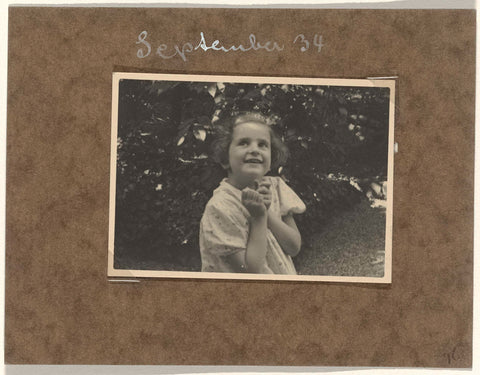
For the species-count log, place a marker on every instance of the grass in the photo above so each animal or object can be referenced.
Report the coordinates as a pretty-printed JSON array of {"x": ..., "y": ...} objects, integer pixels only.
[{"x": 352, "y": 244}]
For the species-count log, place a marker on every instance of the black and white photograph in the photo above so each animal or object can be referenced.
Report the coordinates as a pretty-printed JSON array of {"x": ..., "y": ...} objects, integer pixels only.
[{"x": 242, "y": 177}]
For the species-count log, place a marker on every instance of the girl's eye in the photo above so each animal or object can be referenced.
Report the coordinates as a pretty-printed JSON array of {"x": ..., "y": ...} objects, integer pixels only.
[
  {"x": 263, "y": 144},
  {"x": 242, "y": 142}
]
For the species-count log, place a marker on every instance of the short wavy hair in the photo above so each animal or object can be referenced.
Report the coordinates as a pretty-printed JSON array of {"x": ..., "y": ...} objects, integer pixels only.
[{"x": 224, "y": 136}]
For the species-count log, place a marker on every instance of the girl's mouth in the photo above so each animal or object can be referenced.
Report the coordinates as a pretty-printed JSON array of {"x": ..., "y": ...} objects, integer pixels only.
[{"x": 254, "y": 161}]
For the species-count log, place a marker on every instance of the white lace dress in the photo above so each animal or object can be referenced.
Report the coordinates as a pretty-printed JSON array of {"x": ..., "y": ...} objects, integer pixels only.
[{"x": 224, "y": 227}]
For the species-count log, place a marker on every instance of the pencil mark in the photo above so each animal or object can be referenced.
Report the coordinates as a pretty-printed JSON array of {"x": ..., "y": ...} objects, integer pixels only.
[{"x": 453, "y": 355}]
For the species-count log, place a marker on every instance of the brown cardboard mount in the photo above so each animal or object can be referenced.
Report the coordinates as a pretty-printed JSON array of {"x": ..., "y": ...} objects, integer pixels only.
[{"x": 60, "y": 306}]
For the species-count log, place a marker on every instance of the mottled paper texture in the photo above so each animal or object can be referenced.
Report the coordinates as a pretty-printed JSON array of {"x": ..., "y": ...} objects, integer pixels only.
[{"x": 60, "y": 306}]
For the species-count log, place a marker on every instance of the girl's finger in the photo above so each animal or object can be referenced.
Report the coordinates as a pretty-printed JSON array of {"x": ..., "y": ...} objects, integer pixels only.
[
  {"x": 263, "y": 190},
  {"x": 247, "y": 192},
  {"x": 266, "y": 184},
  {"x": 252, "y": 194}
]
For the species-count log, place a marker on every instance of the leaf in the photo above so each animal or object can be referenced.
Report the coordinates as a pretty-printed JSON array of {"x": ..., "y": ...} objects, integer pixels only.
[
  {"x": 180, "y": 141},
  {"x": 200, "y": 134},
  {"x": 201, "y": 156},
  {"x": 212, "y": 90}
]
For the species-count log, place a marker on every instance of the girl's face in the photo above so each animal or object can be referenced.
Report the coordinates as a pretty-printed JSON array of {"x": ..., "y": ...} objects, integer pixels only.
[{"x": 249, "y": 154}]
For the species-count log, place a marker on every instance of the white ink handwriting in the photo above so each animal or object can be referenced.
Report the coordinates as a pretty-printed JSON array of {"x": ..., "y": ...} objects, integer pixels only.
[{"x": 183, "y": 49}]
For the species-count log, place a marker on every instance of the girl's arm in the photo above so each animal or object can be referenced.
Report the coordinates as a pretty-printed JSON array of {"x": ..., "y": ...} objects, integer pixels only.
[
  {"x": 255, "y": 257},
  {"x": 253, "y": 260},
  {"x": 286, "y": 232},
  {"x": 284, "y": 229}
]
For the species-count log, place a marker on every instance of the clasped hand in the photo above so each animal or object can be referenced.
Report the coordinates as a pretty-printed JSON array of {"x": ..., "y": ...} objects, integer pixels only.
[{"x": 258, "y": 201}]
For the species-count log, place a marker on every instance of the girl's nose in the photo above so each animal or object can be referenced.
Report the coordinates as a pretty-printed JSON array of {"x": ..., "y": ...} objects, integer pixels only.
[{"x": 254, "y": 148}]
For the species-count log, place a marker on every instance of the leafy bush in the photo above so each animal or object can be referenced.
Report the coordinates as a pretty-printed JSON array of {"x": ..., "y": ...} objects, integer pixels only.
[{"x": 165, "y": 175}]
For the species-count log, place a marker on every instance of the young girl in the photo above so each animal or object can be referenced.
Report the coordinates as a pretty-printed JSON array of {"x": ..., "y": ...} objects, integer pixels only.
[{"x": 248, "y": 224}]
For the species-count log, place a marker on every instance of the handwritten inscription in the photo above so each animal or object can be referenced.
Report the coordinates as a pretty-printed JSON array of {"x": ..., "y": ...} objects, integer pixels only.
[
  {"x": 182, "y": 50},
  {"x": 317, "y": 42}
]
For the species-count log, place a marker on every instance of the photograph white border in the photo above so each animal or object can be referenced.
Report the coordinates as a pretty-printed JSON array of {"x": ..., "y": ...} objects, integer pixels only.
[{"x": 388, "y": 83}]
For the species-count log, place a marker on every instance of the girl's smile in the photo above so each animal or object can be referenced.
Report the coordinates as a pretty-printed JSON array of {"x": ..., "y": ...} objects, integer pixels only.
[{"x": 249, "y": 154}]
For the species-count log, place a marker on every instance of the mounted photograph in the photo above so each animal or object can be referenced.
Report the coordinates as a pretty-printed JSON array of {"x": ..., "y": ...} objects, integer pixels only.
[{"x": 243, "y": 177}]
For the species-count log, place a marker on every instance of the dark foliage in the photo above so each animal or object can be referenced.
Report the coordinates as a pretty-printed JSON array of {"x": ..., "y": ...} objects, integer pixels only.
[{"x": 165, "y": 175}]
